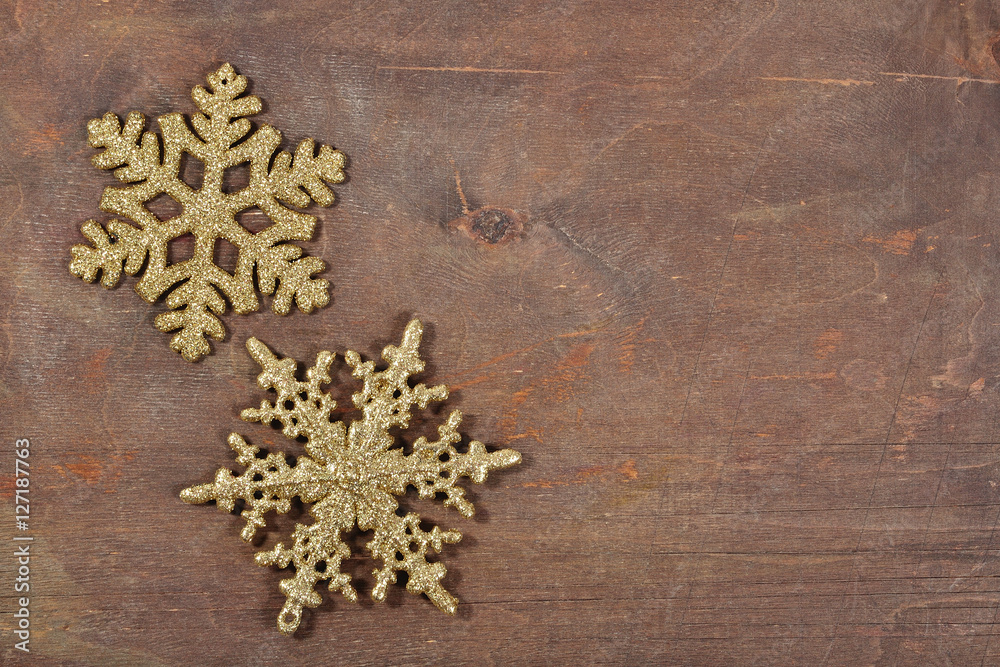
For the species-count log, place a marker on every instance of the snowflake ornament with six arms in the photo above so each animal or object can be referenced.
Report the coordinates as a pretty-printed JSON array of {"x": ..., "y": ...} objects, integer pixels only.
[
  {"x": 208, "y": 213},
  {"x": 349, "y": 475}
]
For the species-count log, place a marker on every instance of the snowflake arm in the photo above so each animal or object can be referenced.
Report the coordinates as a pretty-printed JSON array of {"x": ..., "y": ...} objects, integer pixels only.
[
  {"x": 302, "y": 408},
  {"x": 436, "y": 467},
  {"x": 402, "y": 545},
  {"x": 268, "y": 484},
  {"x": 132, "y": 153},
  {"x": 316, "y": 554},
  {"x": 200, "y": 288},
  {"x": 120, "y": 246},
  {"x": 386, "y": 398},
  {"x": 351, "y": 476}
]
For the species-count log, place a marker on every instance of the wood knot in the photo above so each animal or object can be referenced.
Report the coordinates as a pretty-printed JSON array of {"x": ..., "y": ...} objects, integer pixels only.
[{"x": 490, "y": 224}]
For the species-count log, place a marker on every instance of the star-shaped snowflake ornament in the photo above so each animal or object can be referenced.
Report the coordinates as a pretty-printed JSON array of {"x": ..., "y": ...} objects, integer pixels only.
[
  {"x": 208, "y": 213},
  {"x": 350, "y": 476}
]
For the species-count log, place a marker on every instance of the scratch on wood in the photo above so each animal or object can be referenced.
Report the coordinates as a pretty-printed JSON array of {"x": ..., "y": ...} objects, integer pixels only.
[
  {"x": 486, "y": 70},
  {"x": 899, "y": 243},
  {"x": 736, "y": 44},
  {"x": 832, "y": 375},
  {"x": 826, "y": 82},
  {"x": 468, "y": 383},
  {"x": 579, "y": 246},
  {"x": 461, "y": 193},
  {"x": 528, "y": 348},
  {"x": 878, "y": 471},
  {"x": 902, "y": 76},
  {"x": 626, "y": 470},
  {"x": 722, "y": 275}
]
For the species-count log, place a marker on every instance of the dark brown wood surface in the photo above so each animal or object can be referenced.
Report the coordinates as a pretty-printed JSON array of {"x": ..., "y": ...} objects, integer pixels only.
[{"x": 739, "y": 311}]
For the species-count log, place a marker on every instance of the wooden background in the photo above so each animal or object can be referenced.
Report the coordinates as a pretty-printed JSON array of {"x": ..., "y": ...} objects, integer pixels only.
[{"x": 746, "y": 337}]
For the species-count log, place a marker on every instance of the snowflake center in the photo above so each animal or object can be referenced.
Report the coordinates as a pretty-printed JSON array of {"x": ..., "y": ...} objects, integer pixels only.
[{"x": 350, "y": 473}]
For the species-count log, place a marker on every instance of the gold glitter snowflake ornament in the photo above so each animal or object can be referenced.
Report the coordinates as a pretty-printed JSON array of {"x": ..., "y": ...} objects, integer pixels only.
[
  {"x": 208, "y": 213},
  {"x": 350, "y": 475}
]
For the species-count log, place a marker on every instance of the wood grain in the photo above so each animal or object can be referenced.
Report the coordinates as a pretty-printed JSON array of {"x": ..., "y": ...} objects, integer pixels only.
[{"x": 738, "y": 310}]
